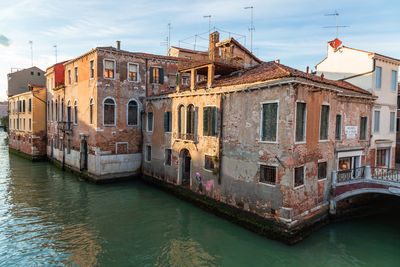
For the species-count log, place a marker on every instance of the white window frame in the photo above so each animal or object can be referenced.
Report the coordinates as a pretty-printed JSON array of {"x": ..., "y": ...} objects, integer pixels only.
[
  {"x": 295, "y": 124},
  {"x": 104, "y": 68},
  {"x": 261, "y": 121},
  {"x": 92, "y": 122},
  {"x": 304, "y": 176},
  {"x": 390, "y": 122},
  {"x": 147, "y": 121},
  {"x": 75, "y": 120},
  {"x": 328, "y": 124},
  {"x": 115, "y": 111},
  {"x": 138, "y": 113},
  {"x": 322, "y": 161},
  {"x": 137, "y": 72},
  {"x": 204, "y": 161},
  {"x": 269, "y": 165}
]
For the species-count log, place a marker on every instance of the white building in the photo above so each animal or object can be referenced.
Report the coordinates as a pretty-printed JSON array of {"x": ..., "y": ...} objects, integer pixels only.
[{"x": 377, "y": 74}]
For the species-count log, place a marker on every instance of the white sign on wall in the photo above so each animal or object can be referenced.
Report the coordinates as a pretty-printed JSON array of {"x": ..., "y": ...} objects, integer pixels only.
[{"x": 350, "y": 131}]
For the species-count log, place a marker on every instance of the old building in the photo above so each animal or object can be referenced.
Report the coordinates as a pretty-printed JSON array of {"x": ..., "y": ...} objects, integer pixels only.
[
  {"x": 94, "y": 114},
  {"x": 377, "y": 74},
  {"x": 262, "y": 138},
  {"x": 18, "y": 80},
  {"x": 27, "y": 122}
]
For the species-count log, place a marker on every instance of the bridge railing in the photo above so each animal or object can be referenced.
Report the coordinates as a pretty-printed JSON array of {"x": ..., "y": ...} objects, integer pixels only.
[
  {"x": 352, "y": 174},
  {"x": 385, "y": 174}
]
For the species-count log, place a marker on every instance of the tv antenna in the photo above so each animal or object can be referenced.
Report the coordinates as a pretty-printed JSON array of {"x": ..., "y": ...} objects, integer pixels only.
[
  {"x": 336, "y": 14},
  {"x": 209, "y": 23},
  {"x": 55, "y": 51},
  {"x": 167, "y": 41},
  {"x": 251, "y": 29}
]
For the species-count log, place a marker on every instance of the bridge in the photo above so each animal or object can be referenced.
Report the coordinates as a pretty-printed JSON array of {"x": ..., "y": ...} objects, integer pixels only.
[{"x": 363, "y": 180}]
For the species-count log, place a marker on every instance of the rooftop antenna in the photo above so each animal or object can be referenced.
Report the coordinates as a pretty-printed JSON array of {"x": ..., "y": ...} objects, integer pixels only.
[
  {"x": 251, "y": 29},
  {"x": 209, "y": 23},
  {"x": 55, "y": 51},
  {"x": 336, "y": 14},
  {"x": 31, "y": 44},
  {"x": 169, "y": 35}
]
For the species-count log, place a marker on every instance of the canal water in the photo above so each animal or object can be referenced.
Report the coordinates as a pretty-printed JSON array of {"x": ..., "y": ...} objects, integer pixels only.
[{"x": 49, "y": 217}]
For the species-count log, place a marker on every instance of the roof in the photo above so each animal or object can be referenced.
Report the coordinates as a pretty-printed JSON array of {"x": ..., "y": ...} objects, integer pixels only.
[
  {"x": 189, "y": 50},
  {"x": 233, "y": 40},
  {"x": 26, "y": 69},
  {"x": 62, "y": 62},
  {"x": 139, "y": 54},
  {"x": 272, "y": 70}
]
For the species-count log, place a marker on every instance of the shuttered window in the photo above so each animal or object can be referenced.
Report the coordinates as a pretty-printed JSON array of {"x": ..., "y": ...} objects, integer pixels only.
[
  {"x": 324, "y": 123},
  {"x": 167, "y": 121},
  {"x": 269, "y": 123},
  {"x": 91, "y": 63},
  {"x": 300, "y": 122},
  {"x": 190, "y": 120},
  {"x": 132, "y": 113},
  {"x": 181, "y": 117},
  {"x": 338, "y": 129},
  {"x": 156, "y": 75},
  {"x": 209, "y": 121},
  {"x": 109, "y": 69}
]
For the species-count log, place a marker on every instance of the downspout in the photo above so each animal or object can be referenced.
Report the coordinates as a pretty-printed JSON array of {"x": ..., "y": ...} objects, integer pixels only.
[
  {"x": 360, "y": 74},
  {"x": 63, "y": 124},
  {"x": 370, "y": 121},
  {"x": 220, "y": 138}
]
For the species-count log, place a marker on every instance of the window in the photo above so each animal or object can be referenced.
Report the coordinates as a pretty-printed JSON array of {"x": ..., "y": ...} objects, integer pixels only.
[
  {"x": 397, "y": 124},
  {"x": 382, "y": 156},
  {"x": 394, "y": 80},
  {"x": 156, "y": 75},
  {"x": 300, "y": 122},
  {"x": 69, "y": 112},
  {"x": 133, "y": 113},
  {"x": 338, "y": 129},
  {"x": 52, "y": 109},
  {"x": 168, "y": 157},
  {"x": 298, "y": 176},
  {"x": 32, "y": 73},
  {"x": 167, "y": 121},
  {"x": 30, "y": 105},
  {"x": 76, "y": 112},
  {"x": 181, "y": 117},
  {"x": 210, "y": 121},
  {"x": 69, "y": 76},
  {"x": 56, "y": 118},
  {"x": 91, "y": 110},
  {"x": 148, "y": 153},
  {"x": 23, "y": 106},
  {"x": 76, "y": 75},
  {"x": 133, "y": 72},
  {"x": 324, "y": 123},
  {"x": 378, "y": 78},
  {"x": 208, "y": 163},
  {"x": 109, "y": 66},
  {"x": 69, "y": 146},
  {"x": 62, "y": 110},
  {"x": 377, "y": 115},
  {"x": 363, "y": 128},
  {"x": 109, "y": 112},
  {"x": 24, "y": 124},
  {"x": 38, "y": 74},
  {"x": 269, "y": 124},
  {"x": 268, "y": 174},
  {"x": 150, "y": 121},
  {"x": 190, "y": 119},
  {"x": 392, "y": 121},
  {"x": 322, "y": 170},
  {"x": 30, "y": 124},
  {"x": 91, "y": 64}
]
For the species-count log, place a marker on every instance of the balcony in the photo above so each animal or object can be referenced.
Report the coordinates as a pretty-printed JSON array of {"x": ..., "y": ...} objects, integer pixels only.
[
  {"x": 65, "y": 126},
  {"x": 184, "y": 136}
]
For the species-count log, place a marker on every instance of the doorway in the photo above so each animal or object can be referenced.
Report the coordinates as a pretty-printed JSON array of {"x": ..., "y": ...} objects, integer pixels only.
[
  {"x": 84, "y": 155},
  {"x": 185, "y": 167}
]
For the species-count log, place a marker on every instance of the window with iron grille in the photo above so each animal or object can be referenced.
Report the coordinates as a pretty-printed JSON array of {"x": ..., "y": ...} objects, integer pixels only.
[
  {"x": 208, "y": 163},
  {"x": 268, "y": 174},
  {"x": 322, "y": 169},
  {"x": 168, "y": 157},
  {"x": 299, "y": 176}
]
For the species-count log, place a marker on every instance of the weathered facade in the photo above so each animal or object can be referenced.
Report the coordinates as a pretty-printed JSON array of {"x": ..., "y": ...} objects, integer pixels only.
[
  {"x": 94, "y": 117},
  {"x": 27, "y": 122},
  {"x": 18, "y": 80}
]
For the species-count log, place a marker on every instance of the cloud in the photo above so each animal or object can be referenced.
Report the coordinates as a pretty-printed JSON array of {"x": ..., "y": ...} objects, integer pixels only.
[{"x": 4, "y": 40}]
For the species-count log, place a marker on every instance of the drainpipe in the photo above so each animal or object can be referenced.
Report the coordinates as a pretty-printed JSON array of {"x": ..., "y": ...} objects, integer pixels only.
[
  {"x": 361, "y": 74},
  {"x": 220, "y": 138},
  {"x": 63, "y": 130}
]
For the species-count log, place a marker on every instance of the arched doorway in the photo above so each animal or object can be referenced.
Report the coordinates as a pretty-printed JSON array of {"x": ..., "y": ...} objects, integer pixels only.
[{"x": 185, "y": 167}]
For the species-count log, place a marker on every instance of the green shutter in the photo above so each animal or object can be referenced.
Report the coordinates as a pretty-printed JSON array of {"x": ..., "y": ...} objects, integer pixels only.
[
  {"x": 176, "y": 79},
  {"x": 213, "y": 121},
  {"x": 165, "y": 121},
  {"x": 151, "y": 74},
  {"x": 161, "y": 75},
  {"x": 205, "y": 121}
]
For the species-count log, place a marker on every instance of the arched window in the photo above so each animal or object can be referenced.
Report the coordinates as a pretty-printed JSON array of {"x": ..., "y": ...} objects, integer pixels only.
[
  {"x": 91, "y": 110},
  {"x": 62, "y": 110},
  {"x": 76, "y": 112},
  {"x": 52, "y": 110},
  {"x": 109, "y": 112},
  {"x": 150, "y": 120},
  {"x": 56, "y": 110},
  {"x": 181, "y": 118},
  {"x": 133, "y": 112},
  {"x": 190, "y": 119},
  {"x": 69, "y": 111}
]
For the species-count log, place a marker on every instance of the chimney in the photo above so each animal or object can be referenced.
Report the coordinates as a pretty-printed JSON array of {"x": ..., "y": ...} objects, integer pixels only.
[
  {"x": 277, "y": 61},
  {"x": 118, "y": 46},
  {"x": 213, "y": 49},
  {"x": 322, "y": 76},
  {"x": 308, "y": 69}
]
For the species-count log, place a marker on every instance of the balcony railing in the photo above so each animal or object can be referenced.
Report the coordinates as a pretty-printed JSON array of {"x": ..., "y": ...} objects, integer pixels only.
[
  {"x": 385, "y": 174},
  {"x": 184, "y": 136},
  {"x": 65, "y": 126},
  {"x": 352, "y": 174}
]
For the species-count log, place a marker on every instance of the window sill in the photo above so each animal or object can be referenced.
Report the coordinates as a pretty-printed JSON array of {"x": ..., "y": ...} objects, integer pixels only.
[
  {"x": 268, "y": 142},
  {"x": 322, "y": 180},
  {"x": 109, "y": 125},
  {"x": 298, "y": 187},
  {"x": 300, "y": 143},
  {"x": 266, "y": 184},
  {"x": 323, "y": 141}
]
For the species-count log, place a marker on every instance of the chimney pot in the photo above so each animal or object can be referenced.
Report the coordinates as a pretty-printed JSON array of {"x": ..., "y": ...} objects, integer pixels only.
[
  {"x": 118, "y": 45},
  {"x": 308, "y": 69},
  {"x": 277, "y": 61},
  {"x": 322, "y": 76}
]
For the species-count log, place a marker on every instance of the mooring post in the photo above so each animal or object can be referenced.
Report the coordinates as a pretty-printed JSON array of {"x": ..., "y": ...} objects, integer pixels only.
[{"x": 334, "y": 177}]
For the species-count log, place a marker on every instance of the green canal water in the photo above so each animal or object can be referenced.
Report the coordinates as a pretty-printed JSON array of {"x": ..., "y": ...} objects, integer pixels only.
[{"x": 51, "y": 218}]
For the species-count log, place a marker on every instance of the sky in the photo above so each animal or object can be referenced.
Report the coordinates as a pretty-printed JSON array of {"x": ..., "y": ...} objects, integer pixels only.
[{"x": 290, "y": 30}]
